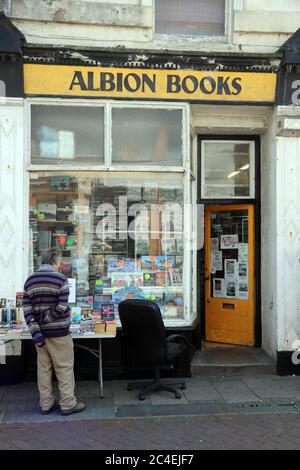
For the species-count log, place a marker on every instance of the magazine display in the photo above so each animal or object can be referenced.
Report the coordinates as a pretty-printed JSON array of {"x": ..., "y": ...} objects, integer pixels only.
[{"x": 104, "y": 266}]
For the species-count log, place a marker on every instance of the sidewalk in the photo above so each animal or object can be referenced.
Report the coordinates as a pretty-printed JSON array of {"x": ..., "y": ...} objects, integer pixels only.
[{"x": 203, "y": 396}]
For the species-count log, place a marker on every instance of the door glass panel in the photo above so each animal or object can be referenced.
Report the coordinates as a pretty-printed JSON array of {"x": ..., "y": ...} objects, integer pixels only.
[
  {"x": 227, "y": 169},
  {"x": 229, "y": 254}
]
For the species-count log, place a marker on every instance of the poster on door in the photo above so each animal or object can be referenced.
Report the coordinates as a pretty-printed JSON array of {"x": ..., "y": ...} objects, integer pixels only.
[
  {"x": 218, "y": 287},
  {"x": 229, "y": 242},
  {"x": 216, "y": 261}
]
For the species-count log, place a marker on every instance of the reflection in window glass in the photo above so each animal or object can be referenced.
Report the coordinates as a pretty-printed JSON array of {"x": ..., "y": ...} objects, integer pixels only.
[
  {"x": 120, "y": 237},
  {"x": 226, "y": 169},
  {"x": 67, "y": 135},
  {"x": 147, "y": 136}
]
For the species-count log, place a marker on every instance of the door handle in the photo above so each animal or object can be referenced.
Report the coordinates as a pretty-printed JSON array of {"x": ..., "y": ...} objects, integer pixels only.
[{"x": 206, "y": 278}]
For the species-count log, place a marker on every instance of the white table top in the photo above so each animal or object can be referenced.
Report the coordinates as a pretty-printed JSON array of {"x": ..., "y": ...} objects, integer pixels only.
[{"x": 95, "y": 336}]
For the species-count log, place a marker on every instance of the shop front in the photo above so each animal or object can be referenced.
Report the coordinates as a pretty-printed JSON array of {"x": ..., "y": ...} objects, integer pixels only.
[{"x": 148, "y": 181}]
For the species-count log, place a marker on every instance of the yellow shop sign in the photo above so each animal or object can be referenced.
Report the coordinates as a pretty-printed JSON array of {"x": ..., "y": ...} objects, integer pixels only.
[{"x": 185, "y": 85}]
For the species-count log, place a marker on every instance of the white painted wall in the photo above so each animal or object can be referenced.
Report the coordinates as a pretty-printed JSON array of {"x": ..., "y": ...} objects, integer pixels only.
[
  {"x": 13, "y": 198},
  {"x": 269, "y": 267},
  {"x": 253, "y": 25},
  {"x": 288, "y": 241}
]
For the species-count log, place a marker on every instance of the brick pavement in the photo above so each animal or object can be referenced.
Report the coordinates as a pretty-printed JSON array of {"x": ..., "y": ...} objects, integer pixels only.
[
  {"x": 215, "y": 413},
  {"x": 241, "y": 431}
]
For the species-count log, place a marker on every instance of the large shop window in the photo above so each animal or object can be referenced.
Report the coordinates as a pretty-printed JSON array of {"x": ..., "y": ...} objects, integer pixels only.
[
  {"x": 66, "y": 135},
  {"x": 121, "y": 235},
  {"x": 227, "y": 169},
  {"x": 190, "y": 17}
]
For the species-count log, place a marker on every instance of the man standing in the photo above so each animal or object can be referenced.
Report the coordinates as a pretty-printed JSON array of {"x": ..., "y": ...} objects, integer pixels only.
[{"x": 47, "y": 315}]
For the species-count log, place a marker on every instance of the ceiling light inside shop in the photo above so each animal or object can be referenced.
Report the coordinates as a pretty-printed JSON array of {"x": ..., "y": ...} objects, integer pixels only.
[
  {"x": 231, "y": 175},
  {"x": 245, "y": 167}
]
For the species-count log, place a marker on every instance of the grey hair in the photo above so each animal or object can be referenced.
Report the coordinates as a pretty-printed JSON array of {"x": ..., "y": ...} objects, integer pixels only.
[{"x": 51, "y": 256}]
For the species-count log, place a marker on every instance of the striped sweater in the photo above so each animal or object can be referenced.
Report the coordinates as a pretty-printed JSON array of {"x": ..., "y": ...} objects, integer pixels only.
[{"x": 45, "y": 304}]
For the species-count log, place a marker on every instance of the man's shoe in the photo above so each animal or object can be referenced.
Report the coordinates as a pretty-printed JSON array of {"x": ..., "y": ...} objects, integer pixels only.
[
  {"x": 76, "y": 409},
  {"x": 52, "y": 408}
]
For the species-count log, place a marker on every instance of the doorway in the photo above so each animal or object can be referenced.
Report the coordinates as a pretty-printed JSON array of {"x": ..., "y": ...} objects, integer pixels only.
[{"x": 230, "y": 274}]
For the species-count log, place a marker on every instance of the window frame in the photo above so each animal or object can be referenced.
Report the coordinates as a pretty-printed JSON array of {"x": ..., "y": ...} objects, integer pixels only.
[
  {"x": 34, "y": 170},
  {"x": 196, "y": 38},
  {"x": 252, "y": 172},
  {"x": 108, "y": 105}
]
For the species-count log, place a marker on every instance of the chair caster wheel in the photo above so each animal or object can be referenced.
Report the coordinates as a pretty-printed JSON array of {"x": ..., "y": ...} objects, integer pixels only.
[
  {"x": 129, "y": 388},
  {"x": 141, "y": 396},
  {"x": 177, "y": 395},
  {"x": 182, "y": 387}
]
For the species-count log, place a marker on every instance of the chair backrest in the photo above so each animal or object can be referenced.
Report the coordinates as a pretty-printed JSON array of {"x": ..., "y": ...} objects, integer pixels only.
[{"x": 144, "y": 331}]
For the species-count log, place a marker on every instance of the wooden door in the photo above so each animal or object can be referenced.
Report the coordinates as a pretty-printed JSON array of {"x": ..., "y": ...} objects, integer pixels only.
[{"x": 229, "y": 274}]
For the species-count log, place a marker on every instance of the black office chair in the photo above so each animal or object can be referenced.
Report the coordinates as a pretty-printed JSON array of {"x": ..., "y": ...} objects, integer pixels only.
[{"x": 147, "y": 344}]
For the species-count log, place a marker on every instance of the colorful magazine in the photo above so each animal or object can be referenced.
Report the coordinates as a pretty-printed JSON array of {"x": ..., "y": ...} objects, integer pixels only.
[
  {"x": 85, "y": 302},
  {"x": 108, "y": 312},
  {"x": 149, "y": 279},
  {"x": 115, "y": 266},
  {"x": 162, "y": 278},
  {"x": 99, "y": 300},
  {"x": 175, "y": 276}
]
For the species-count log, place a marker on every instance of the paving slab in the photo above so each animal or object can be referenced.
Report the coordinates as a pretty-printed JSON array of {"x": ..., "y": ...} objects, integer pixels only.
[
  {"x": 122, "y": 396},
  {"x": 28, "y": 411},
  {"x": 92, "y": 389},
  {"x": 168, "y": 410},
  {"x": 273, "y": 388},
  {"x": 201, "y": 390},
  {"x": 22, "y": 391},
  {"x": 162, "y": 397},
  {"x": 234, "y": 391}
]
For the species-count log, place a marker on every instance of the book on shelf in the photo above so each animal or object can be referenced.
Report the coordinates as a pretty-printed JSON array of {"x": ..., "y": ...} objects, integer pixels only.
[
  {"x": 110, "y": 327},
  {"x": 102, "y": 283},
  {"x": 59, "y": 183},
  {"x": 150, "y": 263},
  {"x": 173, "y": 299},
  {"x": 175, "y": 277},
  {"x": 134, "y": 293},
  {"x": 118, "y": 280},
  {"x": 47, "y": 212},
  {"x": 179, "y": 262},
  {"x": 100, "y": 327},
  {"x": 149, "y": 279},
  {"x": 127, "y": 279},
  {"x": 64, "y": 211},
  {"x": 162, "y": 278},
  {"x": 132, "y": 265},
  {"x": 118, "y": 295},
  {"x": 154, "y": 296},
  {"x": 142, "y": 246},
  {"x": 119, "y": 246},
  {"x": 100, "y": 299},
  {"x": 107, "y": 311},
  {"x": 168, "y": 246},
  {"x": 44, "y": 240},
  {"x": 19, "y": 299},
  {"x": 76, "y": 314},
  {"x": 85, "y": 302},
  {"x": 115, "y": 266}
]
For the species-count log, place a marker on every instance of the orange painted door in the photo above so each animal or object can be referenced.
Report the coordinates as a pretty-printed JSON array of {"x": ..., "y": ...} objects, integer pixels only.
[{"x": 229, "y": 274}]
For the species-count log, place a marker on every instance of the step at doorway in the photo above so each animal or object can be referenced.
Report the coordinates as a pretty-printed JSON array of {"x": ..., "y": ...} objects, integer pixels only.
[{"x": 232, "y": 360}]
